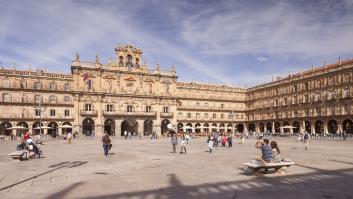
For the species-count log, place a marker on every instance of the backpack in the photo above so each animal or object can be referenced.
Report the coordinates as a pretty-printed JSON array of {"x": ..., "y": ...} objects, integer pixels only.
[{"x": 306, "y": 136}]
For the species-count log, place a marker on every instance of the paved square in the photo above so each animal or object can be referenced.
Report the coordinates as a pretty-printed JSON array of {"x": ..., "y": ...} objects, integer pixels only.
[{"x": 145, "y": 169}]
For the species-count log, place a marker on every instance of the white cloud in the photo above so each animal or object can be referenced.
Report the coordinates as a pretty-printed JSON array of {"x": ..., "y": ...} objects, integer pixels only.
[{"x": 262, "y": 58}]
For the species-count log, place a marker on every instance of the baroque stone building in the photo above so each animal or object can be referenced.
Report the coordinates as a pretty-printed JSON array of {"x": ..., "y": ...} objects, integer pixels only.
[{"x": 125, "y": 95}]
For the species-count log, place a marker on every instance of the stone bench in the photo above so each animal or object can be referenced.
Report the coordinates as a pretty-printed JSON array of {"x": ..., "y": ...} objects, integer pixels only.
[
  {"x": 18, "y": 155},
  {"x": 279, "y": 167}
]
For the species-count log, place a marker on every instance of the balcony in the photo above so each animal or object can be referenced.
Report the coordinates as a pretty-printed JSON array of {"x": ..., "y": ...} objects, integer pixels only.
[
  {"x": 89, "y": 113},
  {"x": 170, "y": 115},
  {"x": 124, "y": 113}
]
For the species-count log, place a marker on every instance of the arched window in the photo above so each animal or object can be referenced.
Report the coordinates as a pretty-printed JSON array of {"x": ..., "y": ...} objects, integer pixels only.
[
  {"x": 129, "y": 61},
  {"x": 121, "y": 62},
  {"x": 137, "y": 63}
]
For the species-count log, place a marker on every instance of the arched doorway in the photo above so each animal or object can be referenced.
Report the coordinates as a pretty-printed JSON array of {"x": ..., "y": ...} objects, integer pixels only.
[
  {"x": 277, "y": 127},
  {"x": 67, "y": 130},
  {"x": 4, "y": 130},
  {"x": 180, "y": 127},
  {"x": 214, "y": 127},
  {"x": 240, "y": 128},
  {"x": 188, "y": 128},
  {"x": 206, "y": 127},
  {"x": 164, "y": 126},
  {"x": 308, "y": 126},
  {"x": 147, "y": 127},
  {"x": 36, "y": 128},
  {"x": 296, "y": 125},
  {"x": 221, "y": 128},
  {"x": 319, "y": 127},
  {"x": 88, "y": 127},
  {"x": 229, "y": 128},
  {"x": 332, "y": 126},
  {"x": 347, "y": 126},
  {"x": 286, "y": 130},
  {"x": 252, "y": 127},
  {"x": 129, "y": 125},
  {"x": 262, "y": 127},
  {"x": 53, "y": 129},
  {"x": 269, "y": 127},
  {"x": 109, "y": 127},
  {"x": 197, "y": 128}
]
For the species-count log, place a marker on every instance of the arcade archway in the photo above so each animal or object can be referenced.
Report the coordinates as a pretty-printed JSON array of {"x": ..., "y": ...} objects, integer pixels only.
[
  {"x": 296, "y": 125},
  {"x": 147, "y": 127},
  {"x": 88, "y": 127},
  {"x": 240, "y": 128},
  {"x": 129, "y": 125},
  {"x": 347, "y": 126},
  {"x": 164, "y": 126},
  {"x": 307, "y": 126},
  {"x": 4, "y": 130},
  {"x": 332, "y": 126},
  {"x": 262, "y": 127},
  {"x": 53, "y": 130},
  {"x": 252, "y": 127},
  {"x": 269, "y": 127},
  {"x": 109, "y": 127},
  {"x": 319, "y": 127}
]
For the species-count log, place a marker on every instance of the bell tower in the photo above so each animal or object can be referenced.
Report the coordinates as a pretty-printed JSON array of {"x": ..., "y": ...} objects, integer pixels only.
[{"x": 128, "y": 56}]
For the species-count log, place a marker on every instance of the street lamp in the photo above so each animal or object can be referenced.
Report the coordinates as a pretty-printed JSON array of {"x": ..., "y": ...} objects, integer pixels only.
[{"x": 39, "y": 108}]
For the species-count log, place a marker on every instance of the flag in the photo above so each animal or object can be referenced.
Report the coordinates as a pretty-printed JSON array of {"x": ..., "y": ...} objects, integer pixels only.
[{"x": 85, "y": 77}]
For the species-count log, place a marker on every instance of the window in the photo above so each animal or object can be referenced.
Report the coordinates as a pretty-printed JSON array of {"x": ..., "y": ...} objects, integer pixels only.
[
  {"x": 66, "y": 98},
  {"x": 197, "y": 115},
  {"x": 214, "y": 116},
  {"x": 37, "y": 98},
  {"x": 88, "y": 107},
  {"x": 37, "y": 85},
  {"x": 222, "y": 105},
  {"x": 52, "y": 86},
  {"x": 197, "y": 103},
  {"x": 52, "y": 112},
  {"x": 6, "y": 97},
  {"x": 306, "y": 86},
  {"x": 206, "y": 104},
  {"x": 66, "y": 87},
  {"x": 205, "y": 115},
  {"x": 129, "y": 61},
  {"x": 90, "y": 85},
  {"x": 222, "y": 116},
  {"x": 346, "y": 92},
  {"x": 37, "y": 112},
  {"x": 23, "y": 84},
  {"x": 148, "y": 109},
  {"x": 180, "y": 115},
  {"x": 6, "y": 83},
  {"x": 129, "y": 109},
  {"x": 189, "y": 115},
  {"x": 52, "y": 99},
  {"x": 109, "y": 108},
  {"x": 165, "y": 109},
  {"x": 67, "y": 113},
  {"x": 121, "y": 62}
]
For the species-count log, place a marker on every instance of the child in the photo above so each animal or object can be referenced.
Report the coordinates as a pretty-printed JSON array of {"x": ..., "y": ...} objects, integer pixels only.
[
  {"x": 210, "y": 143},
  {"x": 183, "y": 143}
]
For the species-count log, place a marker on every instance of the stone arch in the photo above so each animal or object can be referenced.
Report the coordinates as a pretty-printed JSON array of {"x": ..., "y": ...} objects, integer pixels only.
[
  {"x": 188, "y": 127},
  {"x": 332, "y": 126},
  {"x": 4, "y": 130},
  {"x": 164, "y": 128},
  {"x": 252, "y": 127},
  {"x": 129, "y": 125},
  {"x": 197, "y": 128},
  {"x": 35, "y": 130},
  {"x": 319, "y": 127},
  {"x": 240, "y": 128},
  {"x": 67, "y": 130},
  {"x": 347, "y": 126},
  {"x": 147, "y": 127},
  {"x": 88, "y": 127},
  {"x": 297, "y": 125},
  {"x": 53, "y": 129},
  {"x": 307, "y": 126},
  {"x": 109, "y": 126},
  {"x": 221, "y": 127},
  {"x": 214, "y": 127},
  {"x": 285, "y": 130},
  {"x": 277, "y": 127},
  {"x": 269, "y": 127},
  {"x": 23, "y": 124},
  {"x": 229, "y": 128},
  {"x": 206, "y": 127}
]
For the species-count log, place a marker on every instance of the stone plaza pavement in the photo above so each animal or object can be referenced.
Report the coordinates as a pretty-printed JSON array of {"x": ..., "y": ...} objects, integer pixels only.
[{"x": 145, "y": 169}]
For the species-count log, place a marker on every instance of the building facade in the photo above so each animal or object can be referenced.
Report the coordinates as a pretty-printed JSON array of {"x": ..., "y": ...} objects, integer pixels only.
[{"x": 125, "y": 95}]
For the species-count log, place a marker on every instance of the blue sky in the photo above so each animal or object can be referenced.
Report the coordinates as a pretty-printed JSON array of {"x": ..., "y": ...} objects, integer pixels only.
[{"x": 225, "y": 42}]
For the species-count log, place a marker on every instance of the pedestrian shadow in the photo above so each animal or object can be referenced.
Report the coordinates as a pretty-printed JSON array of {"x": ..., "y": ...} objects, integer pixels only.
[
  {"x": 112, "y": 153},
  {"x": 341, "y": 162},
  {"x": 59, "y": 164}
]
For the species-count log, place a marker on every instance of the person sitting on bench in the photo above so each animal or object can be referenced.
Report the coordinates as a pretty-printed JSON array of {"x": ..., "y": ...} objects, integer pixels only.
[
  {"x": 266, "y": 150},
  {"x": 276, "y": 153}
]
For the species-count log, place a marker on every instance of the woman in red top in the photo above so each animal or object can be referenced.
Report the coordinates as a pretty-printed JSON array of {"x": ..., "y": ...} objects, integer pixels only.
[{"x": 26, "y": 136}]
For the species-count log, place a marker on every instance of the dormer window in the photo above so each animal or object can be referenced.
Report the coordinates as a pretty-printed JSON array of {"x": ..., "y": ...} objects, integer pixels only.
[
  {"x": 121, "y": 62},
  {"x": 129, "y": 61}
]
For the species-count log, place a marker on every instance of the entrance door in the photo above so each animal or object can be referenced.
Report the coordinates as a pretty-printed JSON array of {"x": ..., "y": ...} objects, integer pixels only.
[{"x": 88, "y": 127}]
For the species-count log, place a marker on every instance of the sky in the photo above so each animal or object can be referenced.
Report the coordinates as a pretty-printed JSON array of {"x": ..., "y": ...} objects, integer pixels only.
[{"x": 240, "y": 43}]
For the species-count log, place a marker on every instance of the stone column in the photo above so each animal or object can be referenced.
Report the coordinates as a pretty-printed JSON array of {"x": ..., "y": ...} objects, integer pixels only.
[
  {"x": 245, "y": 128},
  {"x": 312, "y": 128},
  {"x": 118, "y": 127},
  {"x": 325, "y": 128},
  {"x": 60, "y": 130},
  {"x": 140, "y": 126},
  {"x": 302, "y": 127},
  {"x": 273, "y": 127},
  {"x": 257, "y": 127}
]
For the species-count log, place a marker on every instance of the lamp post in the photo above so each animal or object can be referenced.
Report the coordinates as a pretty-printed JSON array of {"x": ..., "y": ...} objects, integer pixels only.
[
  {"x": 39, "y": 108},
  {"x": 231, "y": 114}
]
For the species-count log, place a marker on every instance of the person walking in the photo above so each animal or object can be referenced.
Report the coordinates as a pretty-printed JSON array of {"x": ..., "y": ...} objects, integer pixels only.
[
  {"x": 125, "y": 134},
  {"x": 69, "y": 137},
  {"x": 174, "y": 141},
  {"x": 210, "y": 143},
  {"x": 306, "y": 138},
  {"x": 106, "y": 142},
  {"x": 187, "y": 138},
  {"x": 183, "y": 144},
  {"x": 230, "y": 140}
]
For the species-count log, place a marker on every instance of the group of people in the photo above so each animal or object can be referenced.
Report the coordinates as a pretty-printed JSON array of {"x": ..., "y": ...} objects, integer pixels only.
[
  {"x": 184, "y": 140},
  {"x": 270, "y": 151},
  {"x": 216, "y": 139},
  {"x": 31, "y": 150}
]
